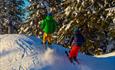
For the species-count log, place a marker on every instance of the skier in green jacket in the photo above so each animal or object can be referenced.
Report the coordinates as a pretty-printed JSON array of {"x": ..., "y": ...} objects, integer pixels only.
[{"x": 48, "y": 25}]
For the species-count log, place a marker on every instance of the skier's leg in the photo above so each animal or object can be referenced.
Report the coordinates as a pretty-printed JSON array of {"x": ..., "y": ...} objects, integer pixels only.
[
  {"x": 44, "y": 40},
  {"x": 77, "y": 50},
  {"x": 49, "y": 40},
  {"x": 44, "y": 37},
  {"x": 72, "y": 52},
  {"x": 70, "y": 59},
  {"x": 76, "y": 54},
  {"x": 75, "y": 59}
]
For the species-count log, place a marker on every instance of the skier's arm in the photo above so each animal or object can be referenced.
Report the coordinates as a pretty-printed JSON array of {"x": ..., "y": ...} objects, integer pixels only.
[{"x": 42, "y": 24}]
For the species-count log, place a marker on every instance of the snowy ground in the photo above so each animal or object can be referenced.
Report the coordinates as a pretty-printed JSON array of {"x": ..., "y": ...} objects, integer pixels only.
[{"x": 19, "y": 52}]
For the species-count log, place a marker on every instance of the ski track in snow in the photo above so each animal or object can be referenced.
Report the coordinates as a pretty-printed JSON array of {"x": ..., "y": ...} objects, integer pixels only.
[{"x": 19, "y": 52}]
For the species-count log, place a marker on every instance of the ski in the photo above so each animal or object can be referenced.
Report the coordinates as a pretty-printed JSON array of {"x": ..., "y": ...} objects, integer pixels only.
[
  {"x": 72, "y": 60},
  {"x": 68, "y": 57},
  {"x": 76, "y": 60}
]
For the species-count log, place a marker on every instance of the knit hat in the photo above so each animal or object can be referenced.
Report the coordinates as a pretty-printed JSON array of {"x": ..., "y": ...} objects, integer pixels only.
[{"x": 76, "y": 31}]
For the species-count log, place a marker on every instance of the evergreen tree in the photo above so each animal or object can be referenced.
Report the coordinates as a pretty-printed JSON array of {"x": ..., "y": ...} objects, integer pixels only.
[
  {"x": 93, "y": 19},
  {"x": 12, "y": 15},
  {"x": 91, "y": 16}
]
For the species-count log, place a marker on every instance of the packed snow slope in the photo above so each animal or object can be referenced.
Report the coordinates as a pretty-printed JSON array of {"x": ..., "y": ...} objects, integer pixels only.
[{"x": 19, "y": 52}]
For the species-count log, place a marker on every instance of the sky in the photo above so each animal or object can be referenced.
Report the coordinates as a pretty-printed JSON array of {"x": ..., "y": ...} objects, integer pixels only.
[{"x": 26, "y": 12}]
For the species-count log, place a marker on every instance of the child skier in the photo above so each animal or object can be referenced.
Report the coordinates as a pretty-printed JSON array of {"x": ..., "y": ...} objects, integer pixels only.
[
  {"x": 76, "y": 42},
  {"x": 48, "y": 25}
]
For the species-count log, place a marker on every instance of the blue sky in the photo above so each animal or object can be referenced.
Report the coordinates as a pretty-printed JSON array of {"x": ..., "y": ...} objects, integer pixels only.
[{"x": 27, "y": 3}]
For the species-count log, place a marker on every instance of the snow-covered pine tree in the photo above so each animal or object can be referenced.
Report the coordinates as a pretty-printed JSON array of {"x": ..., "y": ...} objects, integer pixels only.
[
  {"x": 11, "y": 15},
  {"x": 94, "y": 21},
  {"x": 92, "y": 16}
]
